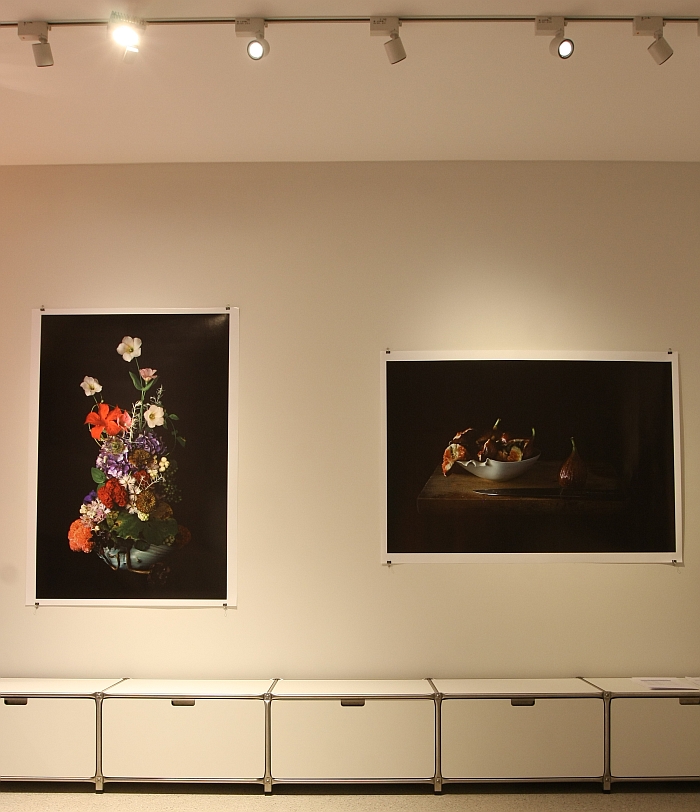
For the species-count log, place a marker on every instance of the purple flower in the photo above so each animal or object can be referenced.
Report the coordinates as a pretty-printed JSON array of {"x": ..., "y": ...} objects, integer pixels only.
[
  {"x": 113, "y": 457},
  {"x": 149, "y": 442},
  {"x": 90, "y": 497}
]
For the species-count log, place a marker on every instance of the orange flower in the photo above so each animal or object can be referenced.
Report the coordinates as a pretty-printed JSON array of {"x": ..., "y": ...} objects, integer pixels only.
[
  {"x": 80, "y": 537},
  {"x": 105, "y": 419}
]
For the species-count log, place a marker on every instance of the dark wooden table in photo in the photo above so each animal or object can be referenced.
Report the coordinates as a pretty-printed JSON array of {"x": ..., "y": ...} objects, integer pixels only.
[{"x": 535, "y": 492}]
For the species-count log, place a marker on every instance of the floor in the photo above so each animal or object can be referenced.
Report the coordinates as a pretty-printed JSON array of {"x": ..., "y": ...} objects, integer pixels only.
[{"x": 678, "y": 797}]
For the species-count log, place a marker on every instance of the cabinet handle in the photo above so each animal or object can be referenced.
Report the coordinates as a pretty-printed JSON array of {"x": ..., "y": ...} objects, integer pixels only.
[
  {"x": 182, "y": 703},
  {"x": 352, "y": 703},
  {"x": 689, "y": 700},
  {"x": 15, "y": 700},
  {"x": 522, "y": 702}
]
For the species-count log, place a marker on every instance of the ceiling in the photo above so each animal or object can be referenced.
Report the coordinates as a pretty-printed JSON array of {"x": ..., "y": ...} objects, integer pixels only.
[{"x": 326, "y": 92}]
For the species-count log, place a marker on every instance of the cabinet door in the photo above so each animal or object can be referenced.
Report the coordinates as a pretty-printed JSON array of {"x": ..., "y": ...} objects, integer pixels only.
[
  {"x": 324, "y": 739},
  {"x": 551, "y": 738},
  {"x": 654, "y": 737},
  {"x": 212, "y": 738},
  {"x": 48, "y": 738}
]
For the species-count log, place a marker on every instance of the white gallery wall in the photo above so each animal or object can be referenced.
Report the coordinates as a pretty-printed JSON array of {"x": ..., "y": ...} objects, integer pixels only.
[{"x": 330, "y": 264}]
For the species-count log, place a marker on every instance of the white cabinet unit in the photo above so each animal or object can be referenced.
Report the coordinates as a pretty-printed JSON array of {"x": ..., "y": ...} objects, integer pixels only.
[
  {"x": 653, "y": 734},
  {"x": 48, "y": 728},
  {"x": 354, "y": 730},
  {"x": 208, "y": 730},
  {"x": 521, "y": 729}
]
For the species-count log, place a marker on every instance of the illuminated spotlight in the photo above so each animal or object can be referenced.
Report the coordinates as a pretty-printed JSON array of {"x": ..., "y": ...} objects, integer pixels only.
[
  {"x": 126, "y": 31},
  {"x": 254, "y": 27},
  {"x": 560, "y": 45},
  {"x": 38, "y": 33},
  {"x": 659, "y": 49},
  {"x": 388, "y": 26}
]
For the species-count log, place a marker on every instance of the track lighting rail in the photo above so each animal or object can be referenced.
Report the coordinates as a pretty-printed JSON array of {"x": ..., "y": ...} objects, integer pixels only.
[
  {"x": 363, "y": 20},
  {"x": 126, "y": 30}
]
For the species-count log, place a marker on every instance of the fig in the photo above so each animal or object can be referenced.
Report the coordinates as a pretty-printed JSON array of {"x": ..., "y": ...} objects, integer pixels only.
[
  {"x": 514, "y": 455},
  {"x": 466, "y": 439},
  {"x": 453, "y": 452},
  {"x": 574, "y": 472},
  {"x": 529, "y": 447},
  {"x": 489, "y": 435},
  {"x": 488, "y": 452}
]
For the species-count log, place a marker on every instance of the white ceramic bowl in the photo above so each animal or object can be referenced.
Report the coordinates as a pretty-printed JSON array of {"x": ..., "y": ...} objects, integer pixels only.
[{"x": 496, "y": 470}]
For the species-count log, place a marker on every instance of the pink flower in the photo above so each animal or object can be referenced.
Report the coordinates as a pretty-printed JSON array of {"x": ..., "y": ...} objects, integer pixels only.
[{"x": 148, "y": 374}]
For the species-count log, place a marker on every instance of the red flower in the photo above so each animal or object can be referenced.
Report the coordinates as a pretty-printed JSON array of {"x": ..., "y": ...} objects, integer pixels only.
[
  {"x": 112, "y": 493},
  {"x": 80, "y": 537},
  {"x": 105, "y": 419},
  {"x": 142, "y": 478}
]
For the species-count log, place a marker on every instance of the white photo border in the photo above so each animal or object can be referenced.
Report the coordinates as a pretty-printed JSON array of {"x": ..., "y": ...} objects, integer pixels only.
[
  {"x": 231, "y": 598},
  {"x": 675, "y": 557}
]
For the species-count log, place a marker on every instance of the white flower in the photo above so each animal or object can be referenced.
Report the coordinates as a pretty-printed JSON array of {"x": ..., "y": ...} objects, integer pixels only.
[
  {"x": 129, "y": 348},
  {"x": 164, "y": 464},
  {"x": 154, "y": 416},
  {"x": 90, "y": 385}
]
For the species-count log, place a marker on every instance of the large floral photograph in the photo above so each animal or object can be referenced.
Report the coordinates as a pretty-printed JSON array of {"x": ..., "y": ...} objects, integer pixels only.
[{"x": 132, "y": 469}]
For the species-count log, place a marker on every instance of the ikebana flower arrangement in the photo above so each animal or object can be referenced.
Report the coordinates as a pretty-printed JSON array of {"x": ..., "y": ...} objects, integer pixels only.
[{"x": 127, "y": 519}]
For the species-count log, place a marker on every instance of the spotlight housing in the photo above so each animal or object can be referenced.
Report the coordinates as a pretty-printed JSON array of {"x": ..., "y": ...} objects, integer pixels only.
[
  {"x": 37, "y": 33},
  {"x": 254, "y": 27},
  {"x": 126, "y": 31},
  {"x": 561, "y": 45},
  {"x": 659, "y": 49},
  {"x": 388, "y": 26}
]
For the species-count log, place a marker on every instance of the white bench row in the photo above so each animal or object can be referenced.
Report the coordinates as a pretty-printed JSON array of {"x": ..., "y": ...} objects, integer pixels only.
[{"x": 307, "y": 731}]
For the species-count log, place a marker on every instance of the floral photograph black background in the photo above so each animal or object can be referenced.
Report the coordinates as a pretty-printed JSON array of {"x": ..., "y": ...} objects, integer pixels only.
[{"x": 172, "y": 495}]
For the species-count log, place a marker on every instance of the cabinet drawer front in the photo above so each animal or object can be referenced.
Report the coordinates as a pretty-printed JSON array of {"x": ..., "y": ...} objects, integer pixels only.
[
  {"x": 322, "y": 739},
  {"x": 213, "y": 738},
  {"x": 552, "y": 738},
  {"x": 654, "y": 737},
  {"x": 48, "y": 738}
]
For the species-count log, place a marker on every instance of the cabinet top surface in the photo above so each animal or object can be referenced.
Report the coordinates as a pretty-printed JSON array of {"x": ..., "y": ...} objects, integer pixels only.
[
  {"x": 629, "y": 687},
  {"x": 191, "y": 687},
  {"x": 514, "y": 687},
  {"x": 38, "y": 685},
  {"x": 353, "y": 687}
]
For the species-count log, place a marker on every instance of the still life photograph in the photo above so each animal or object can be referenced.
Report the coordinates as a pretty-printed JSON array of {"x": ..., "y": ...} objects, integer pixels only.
[
  {"x": 127, "y": 518},
  {"x": 569, "y": 458},
  {"x": 134, "y": 439}
]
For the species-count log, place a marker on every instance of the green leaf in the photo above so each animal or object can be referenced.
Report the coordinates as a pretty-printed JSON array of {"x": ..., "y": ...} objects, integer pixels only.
[
  {"x": 128, "y": 525},
  {"x": 99, "y": 477},
  {"x": 136, "y": 381},
  {"x": 181, "y": 440},
  {"x": 148, "y": 385},
  {"x": 155, "y": 531},
  {"x": 173, "y": 417}
]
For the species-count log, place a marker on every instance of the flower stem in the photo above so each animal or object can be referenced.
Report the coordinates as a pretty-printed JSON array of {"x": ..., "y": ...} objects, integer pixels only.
[{"x": 143, "y": 392}]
